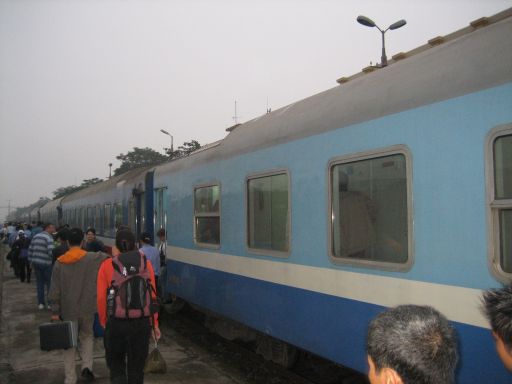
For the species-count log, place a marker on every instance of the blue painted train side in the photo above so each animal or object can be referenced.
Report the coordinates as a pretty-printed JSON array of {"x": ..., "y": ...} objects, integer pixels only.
[{"x": 441, "y": 124}]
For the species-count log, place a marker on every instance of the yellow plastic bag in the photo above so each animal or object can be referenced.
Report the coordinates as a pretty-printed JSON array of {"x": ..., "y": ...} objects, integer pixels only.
[{"x": 155, "y": 362}]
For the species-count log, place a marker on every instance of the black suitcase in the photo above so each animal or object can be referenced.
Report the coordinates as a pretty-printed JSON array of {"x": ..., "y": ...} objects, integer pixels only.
[{"x": 58, "y": 335}]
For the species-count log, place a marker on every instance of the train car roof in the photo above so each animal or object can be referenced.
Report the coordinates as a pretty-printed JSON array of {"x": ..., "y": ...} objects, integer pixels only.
[
  {"x": 468, "y": 60},
  {"x": 133, "y": 178},
  {"x": 51, "y": 205}
]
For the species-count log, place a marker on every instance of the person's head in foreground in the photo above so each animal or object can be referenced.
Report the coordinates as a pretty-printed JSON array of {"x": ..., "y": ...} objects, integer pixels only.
[
  {"x": 497, "y": 306},
  {"x": 411, "y": 344}
]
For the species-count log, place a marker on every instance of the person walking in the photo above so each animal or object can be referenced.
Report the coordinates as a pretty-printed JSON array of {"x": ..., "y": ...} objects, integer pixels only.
[
  {"x": 40, "y": 257},
  {"x": 23, "y": 266},
  {"x": 73, "y": 297},
  {"x": 151, "y": 254},
  {"x": 91, "y": 243},
  {"x": 127, "y": 322}
]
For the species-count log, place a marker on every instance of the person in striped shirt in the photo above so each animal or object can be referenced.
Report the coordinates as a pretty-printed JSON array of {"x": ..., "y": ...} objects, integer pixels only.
[{"x": 41, "y": 258}]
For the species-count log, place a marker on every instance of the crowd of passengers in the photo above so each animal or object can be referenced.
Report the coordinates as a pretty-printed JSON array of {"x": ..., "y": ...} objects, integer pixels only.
[
  {"x": 74, "y": 275},
  {"x": 405, "y": 344}
]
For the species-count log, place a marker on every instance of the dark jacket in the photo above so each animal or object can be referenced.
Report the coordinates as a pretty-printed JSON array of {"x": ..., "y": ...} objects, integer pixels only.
[{"x": 94, "y": 246}]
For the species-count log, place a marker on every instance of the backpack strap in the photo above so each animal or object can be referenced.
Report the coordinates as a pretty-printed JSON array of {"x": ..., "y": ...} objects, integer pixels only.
[{"x": 117, "y": 267}]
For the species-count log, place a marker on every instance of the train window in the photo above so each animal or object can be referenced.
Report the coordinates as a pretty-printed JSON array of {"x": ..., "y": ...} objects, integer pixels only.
[
  {"x": 207, "y": 215},
  {"x": 268, "y": 212},
  {"x": 131, "y": 215},
  {"x": 503, "y": 167},
  {"x": 118, "y": 212},
  {"x": 90, "y": 217},
  {"x": 97, "y": 219},
  {"x": 142, "y": 212},
  {"x": 370, "y": 209},
  {"x": 106, "y": 219},
  {"x": 500, "y": 159},
  {"x": 82, "y": 217},
  {"x": 159, "y": 216}
]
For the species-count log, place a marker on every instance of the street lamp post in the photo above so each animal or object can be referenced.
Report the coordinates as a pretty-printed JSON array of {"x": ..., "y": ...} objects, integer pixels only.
[
  {"x": 109, "y": 170},
  {"x": 172, "y": 139},
  {"x": 370, "y": 23}
]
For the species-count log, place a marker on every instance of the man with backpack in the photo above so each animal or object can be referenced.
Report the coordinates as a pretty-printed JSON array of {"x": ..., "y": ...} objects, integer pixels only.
[
  {"x": 73, "y": 297},
  {"x": 126, "y": 298}
]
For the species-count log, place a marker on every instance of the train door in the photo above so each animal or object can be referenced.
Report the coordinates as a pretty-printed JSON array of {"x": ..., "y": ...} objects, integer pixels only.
[
  {"x": 132, "y": 214},
  {"x": 149, "y": 225},
  {"x": 160, "y": 216},
  {"x": 139, "y": 214}
]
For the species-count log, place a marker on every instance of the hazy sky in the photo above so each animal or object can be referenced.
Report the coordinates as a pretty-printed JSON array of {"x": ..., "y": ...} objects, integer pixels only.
[{"x": 83, "y": 81}]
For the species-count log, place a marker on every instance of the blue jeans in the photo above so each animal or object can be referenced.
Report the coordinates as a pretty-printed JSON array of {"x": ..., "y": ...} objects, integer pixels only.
[{"x": 43, "y": 278}]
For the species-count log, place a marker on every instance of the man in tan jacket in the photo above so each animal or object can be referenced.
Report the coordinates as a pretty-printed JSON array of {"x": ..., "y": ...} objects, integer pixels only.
[{"x": 73, "y": 297}]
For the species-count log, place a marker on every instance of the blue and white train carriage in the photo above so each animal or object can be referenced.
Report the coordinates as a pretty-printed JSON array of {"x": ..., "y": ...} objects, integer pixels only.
[{"x": 394, "y": 187}]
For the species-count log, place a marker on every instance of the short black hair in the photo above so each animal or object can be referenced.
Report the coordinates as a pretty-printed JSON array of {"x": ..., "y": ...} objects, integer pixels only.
[
  {"x": 145, "y": 237},
  {"x": 90, "y": 229},
  {"x": 75, "y": 236},
  {"x": 63, "y": 234},
  {"x": 415, "y": 341},
  {"x": 125, "y": 240},
  {"x": 497, "y": 307},
  {"x": 46, "y": 225}
]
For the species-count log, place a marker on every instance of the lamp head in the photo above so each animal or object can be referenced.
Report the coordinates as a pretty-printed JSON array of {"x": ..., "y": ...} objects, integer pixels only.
[
  {"x": 398, "y": 24},
  {"x": 164, "y": 131},
  {"x": 365, "y": 21}
]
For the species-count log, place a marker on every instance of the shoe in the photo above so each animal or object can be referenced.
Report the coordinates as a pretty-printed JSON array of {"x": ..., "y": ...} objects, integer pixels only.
[
  {"x": 87, "y": 375},
  {"x": 40, "y": 306}
]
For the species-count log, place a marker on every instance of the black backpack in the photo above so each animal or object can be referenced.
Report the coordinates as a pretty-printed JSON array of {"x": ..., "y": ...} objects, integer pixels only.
[{"x": 130, "y": 293}]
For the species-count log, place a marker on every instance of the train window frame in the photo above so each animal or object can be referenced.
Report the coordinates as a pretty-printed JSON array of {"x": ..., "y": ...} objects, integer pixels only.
[
  {"x": 118, "y": 215},
  {"x": 132, "y": 214},
  {"x": 208, "y": 214},
  {"x": 97, "y": 219},
  {"x": 160, "y": 215},
  {"x": 107, "y": 219},
  {"x": 265, "y": 251},
  {"x": 399, "y": 149},
  {"x": 495, "y": 206},
  {"x": 90, "y": 216}
]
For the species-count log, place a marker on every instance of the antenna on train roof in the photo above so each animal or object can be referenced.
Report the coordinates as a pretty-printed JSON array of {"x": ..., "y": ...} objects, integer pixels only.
[{"x": 235, "y": 118}]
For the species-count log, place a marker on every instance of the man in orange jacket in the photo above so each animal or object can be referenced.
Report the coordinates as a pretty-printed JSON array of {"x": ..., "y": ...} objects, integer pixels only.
[{"x": 127, "y": 331}]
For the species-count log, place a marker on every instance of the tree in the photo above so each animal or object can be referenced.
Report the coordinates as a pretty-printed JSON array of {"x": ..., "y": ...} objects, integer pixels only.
[
  {"x": 183, "y": 150},
  {"x": 139, "y": 157},
  {"x": 63, "y": 191}
]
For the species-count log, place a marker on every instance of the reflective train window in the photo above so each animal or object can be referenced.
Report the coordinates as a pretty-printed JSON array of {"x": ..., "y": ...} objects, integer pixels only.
[
  {"x": 106, "y": 219},
  {"x": 370, "y": 215},
  {"x": 118, "y": 212},
  {"x": 501, "y": 204},
  {"x": 207, "y": 215},
  {"x": 268, "y": 212},
  {"x": 159, "y": 216},
  {"x": 132, "y": 215},
  {"x": 97, "y": 219}
]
